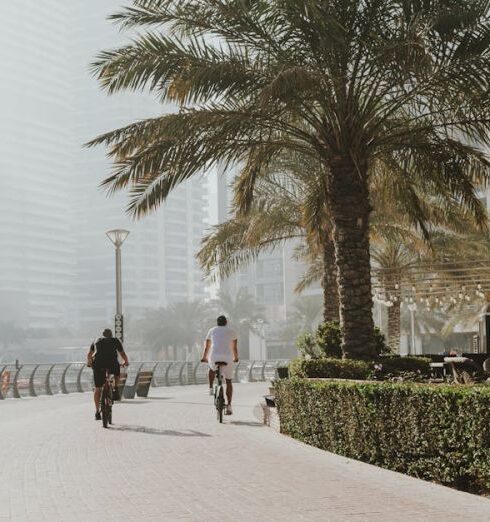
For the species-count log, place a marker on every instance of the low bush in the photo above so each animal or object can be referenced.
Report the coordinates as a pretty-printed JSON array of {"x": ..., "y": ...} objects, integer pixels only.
[
  {"x": 382, "y": 369},
  {"x": 387, "y": 367},
  {"x": 438, "y": 433},
  {"x": 327, "y": 341},
  {"x": 330, "y": 368}
]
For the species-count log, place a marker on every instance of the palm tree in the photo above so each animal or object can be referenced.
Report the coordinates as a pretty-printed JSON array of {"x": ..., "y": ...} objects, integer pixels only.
[
  {"x": 180, "y": 326},
  {"x": 305, "y": 313},
  {"x": 288, "y": 205},
  {"x": 398, "y": 84}
]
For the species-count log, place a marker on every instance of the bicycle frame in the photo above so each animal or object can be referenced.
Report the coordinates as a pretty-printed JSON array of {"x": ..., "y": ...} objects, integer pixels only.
[
  {"x": 106, "y": 399},
  {"x": 219, "y": 394}
]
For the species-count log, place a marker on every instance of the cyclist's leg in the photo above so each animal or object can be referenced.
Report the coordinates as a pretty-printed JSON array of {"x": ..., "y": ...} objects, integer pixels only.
[
  {"x": 229, "y": 391},
  {"x": 228, "y": 375},
  {"x": 99, "y": 379},
  {"x": 211, "y": 373},
  {"x": 117, "y": 374}
]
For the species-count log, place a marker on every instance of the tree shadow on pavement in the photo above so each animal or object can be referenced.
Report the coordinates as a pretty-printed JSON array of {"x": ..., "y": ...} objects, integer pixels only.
[{"x": 156, "y": 431}]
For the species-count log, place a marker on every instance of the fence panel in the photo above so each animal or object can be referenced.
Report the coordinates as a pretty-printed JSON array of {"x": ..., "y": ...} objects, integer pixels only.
[{"x": 49, "y": 379}]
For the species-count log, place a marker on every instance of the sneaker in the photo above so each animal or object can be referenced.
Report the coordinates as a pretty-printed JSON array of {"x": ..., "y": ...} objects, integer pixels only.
[
  {"x": 211, "y": 392},
  {"x": 97, "y": 415},
  {"x": 228, "y": 410}
]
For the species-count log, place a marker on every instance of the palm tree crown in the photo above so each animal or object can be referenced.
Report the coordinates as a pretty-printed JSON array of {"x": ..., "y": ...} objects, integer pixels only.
[{"x": 396, "y": 84}]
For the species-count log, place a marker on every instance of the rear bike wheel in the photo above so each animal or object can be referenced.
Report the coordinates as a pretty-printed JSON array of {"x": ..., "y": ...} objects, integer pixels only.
[
  {"x": 220, "y": 404},
  {"x": 105, "y": 407}
]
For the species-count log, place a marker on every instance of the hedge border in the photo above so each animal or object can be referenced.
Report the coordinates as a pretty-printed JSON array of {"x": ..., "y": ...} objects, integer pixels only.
[{"x": 433, "y": 432}]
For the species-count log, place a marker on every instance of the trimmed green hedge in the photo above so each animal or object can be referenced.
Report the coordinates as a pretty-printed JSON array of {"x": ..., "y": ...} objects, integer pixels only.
[
  {"x": 330, "y": 368},
  {"x": 434, "y": 432},
  {"x": 359, "y": 370}
]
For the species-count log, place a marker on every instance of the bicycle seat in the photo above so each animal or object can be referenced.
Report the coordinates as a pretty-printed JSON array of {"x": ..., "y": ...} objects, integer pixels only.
[{"x": 221, "y": 363}]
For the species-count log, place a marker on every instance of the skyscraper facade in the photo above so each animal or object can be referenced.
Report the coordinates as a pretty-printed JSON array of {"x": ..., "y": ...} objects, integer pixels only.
[
  {"x": 36, "y": 152},
  {"x": 56, "y": 265}
]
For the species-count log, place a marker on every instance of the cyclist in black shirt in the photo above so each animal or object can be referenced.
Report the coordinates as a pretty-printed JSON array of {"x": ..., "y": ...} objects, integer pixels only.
[{"x": 102, "y": 356}]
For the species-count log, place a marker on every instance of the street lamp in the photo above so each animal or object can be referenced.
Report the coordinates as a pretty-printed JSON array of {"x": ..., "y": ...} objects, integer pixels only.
[{"x": 117, "y": 238}]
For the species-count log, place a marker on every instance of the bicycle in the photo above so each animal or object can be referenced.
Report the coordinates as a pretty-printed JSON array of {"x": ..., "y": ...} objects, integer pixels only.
[
  {"x": 219, "y": 392},
  {"x": 106, "y": 399}
]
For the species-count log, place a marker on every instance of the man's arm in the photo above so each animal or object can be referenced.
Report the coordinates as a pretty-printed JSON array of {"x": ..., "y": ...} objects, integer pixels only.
[
  {"x": 90, "y": 355},
  {"x": 207, "y": 347},
  {"x": 122, "y": 353},
  {"x": 234, "y": 349}
]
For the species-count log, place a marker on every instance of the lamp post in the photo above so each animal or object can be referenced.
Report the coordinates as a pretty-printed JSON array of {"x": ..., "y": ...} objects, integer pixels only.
[{"x": 117, "y": 238}]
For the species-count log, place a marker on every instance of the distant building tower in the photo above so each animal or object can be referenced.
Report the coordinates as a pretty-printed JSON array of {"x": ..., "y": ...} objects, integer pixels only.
[
  {"x": 36, "y": 244},
  {"x": 159, "y": 265}
]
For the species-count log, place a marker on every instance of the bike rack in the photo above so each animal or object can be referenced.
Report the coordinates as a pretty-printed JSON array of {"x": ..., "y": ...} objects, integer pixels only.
[
  {"x": 79, "y": 379},
  {"x": 181, "y": 373},
  {"x": 187, "y": 373},
  {"x": 262, "y": 374},
  {"x": 49, "y": 391},
  {"x": 152, "y": 383},
  {"x": 63, "y": 380},
  {"x": 15, "y": 388},
  {"x": 167, "y": 382},
  {"x": 250, "y": 370},
  {"x": 32, "y": 388}
]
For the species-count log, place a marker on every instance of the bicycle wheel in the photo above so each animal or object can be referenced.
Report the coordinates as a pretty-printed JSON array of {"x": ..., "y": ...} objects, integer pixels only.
[
  {"x": 220, "y": 404},
  {"x": 105, "y": 407}
]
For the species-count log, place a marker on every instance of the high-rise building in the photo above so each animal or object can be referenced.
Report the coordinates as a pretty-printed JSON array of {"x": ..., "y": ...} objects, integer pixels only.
[
  {"x": 56, "y": 265},
  {"x": 36, "y": 144},
  {"x": 158, "y": 257}
]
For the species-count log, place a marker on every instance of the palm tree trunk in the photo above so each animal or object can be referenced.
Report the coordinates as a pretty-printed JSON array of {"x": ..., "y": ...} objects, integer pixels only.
[
  {"x": 394, "y": 327},
  {"x": 349, "y": 203},
  {"x": 329, "y": 283}
]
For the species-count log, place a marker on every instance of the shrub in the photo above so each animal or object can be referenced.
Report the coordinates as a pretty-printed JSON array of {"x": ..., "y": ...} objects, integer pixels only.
[
  {"x": 388, "y": 367},
  {"x": 330, "y": 368},
  {"x": 437, "y": 433},
  {"x": 327, "y": 341},
  {"x": 306, "y": 345},
  {"x": 382, "y": 369}
]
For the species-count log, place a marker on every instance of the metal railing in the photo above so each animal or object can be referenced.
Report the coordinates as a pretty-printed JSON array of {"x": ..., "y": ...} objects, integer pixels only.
[{"x": 31, "y": 380}]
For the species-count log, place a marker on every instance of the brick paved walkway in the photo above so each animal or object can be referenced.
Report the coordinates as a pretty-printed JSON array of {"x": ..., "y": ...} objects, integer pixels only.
[{"x": 167, "y": 459}]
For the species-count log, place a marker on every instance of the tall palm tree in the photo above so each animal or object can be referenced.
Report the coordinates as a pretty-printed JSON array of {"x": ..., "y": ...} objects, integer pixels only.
[
  {"x": 181, "y": 325},
  {"x": 396, "y": 84},
  {"x": 243, "y": 313},
  {"x": 289, "y": 204}
]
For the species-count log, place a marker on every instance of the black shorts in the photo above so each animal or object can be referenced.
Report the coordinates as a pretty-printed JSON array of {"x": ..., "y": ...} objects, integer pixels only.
[{"x": 100, "y": 372}]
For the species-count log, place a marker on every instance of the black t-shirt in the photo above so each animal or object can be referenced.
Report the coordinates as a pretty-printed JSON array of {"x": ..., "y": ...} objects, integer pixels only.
[{"x": 106, "y": 349}]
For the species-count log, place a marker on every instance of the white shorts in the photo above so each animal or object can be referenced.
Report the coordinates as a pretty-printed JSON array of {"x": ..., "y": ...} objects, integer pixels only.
[{"x": 226, "y": 371}]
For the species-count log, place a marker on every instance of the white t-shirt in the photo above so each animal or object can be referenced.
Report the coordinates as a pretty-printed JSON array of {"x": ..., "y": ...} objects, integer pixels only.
[{"x": 221, "y": 338}]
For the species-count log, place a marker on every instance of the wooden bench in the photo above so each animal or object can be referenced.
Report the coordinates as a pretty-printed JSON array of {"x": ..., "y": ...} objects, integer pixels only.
[
  {"x": 122, "y": 383},
  {"x": 141, "y": 385}
]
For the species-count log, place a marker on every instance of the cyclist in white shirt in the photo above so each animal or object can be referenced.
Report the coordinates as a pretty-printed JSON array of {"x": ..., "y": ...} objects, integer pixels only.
[{"x": 221, "y": 346}]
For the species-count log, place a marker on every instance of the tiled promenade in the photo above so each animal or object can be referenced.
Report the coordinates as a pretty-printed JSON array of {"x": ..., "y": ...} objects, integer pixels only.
[{"x": 168, "y": 459}]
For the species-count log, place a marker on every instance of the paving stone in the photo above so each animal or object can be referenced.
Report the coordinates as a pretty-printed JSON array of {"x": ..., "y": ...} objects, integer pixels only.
[{"x": 169, "y": 460}]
